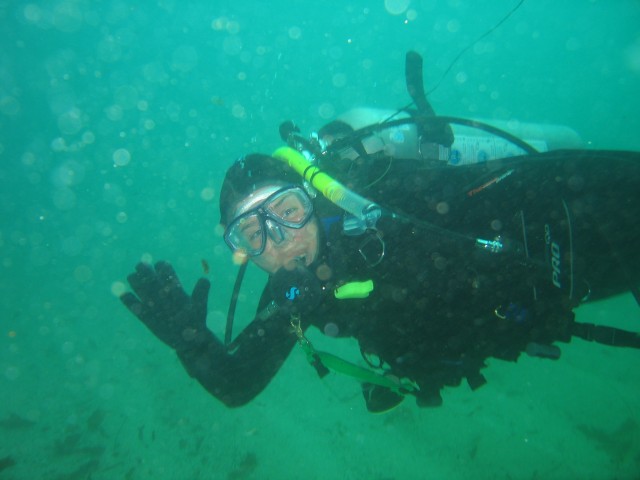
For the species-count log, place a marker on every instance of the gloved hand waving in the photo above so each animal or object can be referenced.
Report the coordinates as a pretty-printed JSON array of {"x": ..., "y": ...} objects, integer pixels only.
[{"x": 165, "y": 308}]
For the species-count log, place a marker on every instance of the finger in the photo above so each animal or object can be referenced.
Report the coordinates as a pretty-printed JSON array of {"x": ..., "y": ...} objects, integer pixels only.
[
  {"x": 167, "y": 274},
  {"x": 134, "y": 305},
  {"x": 144, "y": 282},
  {"x": 170, "y": 282}
]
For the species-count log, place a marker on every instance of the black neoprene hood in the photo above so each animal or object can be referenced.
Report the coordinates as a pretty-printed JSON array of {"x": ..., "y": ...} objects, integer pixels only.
[{"x": 246, "y": 175}]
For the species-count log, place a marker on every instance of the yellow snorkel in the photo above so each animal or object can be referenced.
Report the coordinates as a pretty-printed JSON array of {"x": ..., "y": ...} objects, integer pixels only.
[{"x": 366, "y": 211}]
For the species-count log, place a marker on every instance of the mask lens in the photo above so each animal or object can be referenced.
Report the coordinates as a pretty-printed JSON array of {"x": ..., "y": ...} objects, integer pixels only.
[
  {"x": 289, "y": 207},
  {"x": 246, "y": 233}
]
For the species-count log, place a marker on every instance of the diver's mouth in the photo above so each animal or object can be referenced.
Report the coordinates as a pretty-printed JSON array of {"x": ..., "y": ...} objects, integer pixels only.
[
  {"x": 300, "y": 260},
  {"x": 296, "y": 262}
]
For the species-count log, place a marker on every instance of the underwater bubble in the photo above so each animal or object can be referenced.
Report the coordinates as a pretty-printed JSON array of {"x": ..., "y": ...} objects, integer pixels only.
[
  {"x": 88, "y": 138},
  {"x": 453, "y": 25},
  {"x": 207, "y": 194},
  {"x": 326, "y": 111},
  {"x": 32, "y": 13},
  {"x": 219, "y": 230},
  {"x": 632, "y": 56},
  {"x": 576, "y": 182},
  {"x": 105, "y": 230},
  {"x": 64, "y": 199},
  {"x": 192, "y": 132},
  {"x": 154, "y": 72},
  {"x": 121, "y": 217},
  {"x": 67, "y": 347},
  {"x": 121, "y": 157},
  {"x": 39, "y": 256},
  {"x": 496, "y": 225},
  {"x": 9, "y": 105},
  {"x": 184, "y": 58},
  {"x": 58, "y": 144},
  {"x": 83, "y": 274},
  {"x": 28, "y": 158},
  {"x": 126, "y": 96},
  {"x": 70, "y": 122},
  {"x": 399, "y": 295},
  {"x": 109, "y": 50},
  {"x": 442, "y": 208},
  {"x": 11, "y": 372},
  {"x": 295, "y": 33},
  {"x": 232, "y": 27},
  {"x": 118, "y": 288},
  {"x": 68, "y": 174},
  {"x": 440, "y": 262},
  {"x": 331, "y": 329},
  {"x": 114, "y": 112},
  {"x": 67, "y": 17},
  {"x": 71, "y": 246},
  {"x": 219, "y": 23},
  {"x": 339, "y": 80},
  {"x": 324, "y": 272},
  {"x": 239, "y": 257},
  {"x": 238, "y": 111},
  {"x": 232, "y": 45},
  {"x": 396, "y": 7}
]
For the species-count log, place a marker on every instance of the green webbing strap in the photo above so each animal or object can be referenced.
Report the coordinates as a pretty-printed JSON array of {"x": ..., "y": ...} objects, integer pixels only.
[{"x": 329, "y": 361}]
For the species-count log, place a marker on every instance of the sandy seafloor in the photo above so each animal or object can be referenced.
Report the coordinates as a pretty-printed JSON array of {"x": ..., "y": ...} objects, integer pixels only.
[
  {"x": 127, "y": 415},
  {"x": 117, "y": 122}
]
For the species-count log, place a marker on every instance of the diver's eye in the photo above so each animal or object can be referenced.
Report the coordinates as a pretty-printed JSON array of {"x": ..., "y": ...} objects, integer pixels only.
[
  {"x": 251, "y": 230},
  {"x": 289, "y": 208},
  {"x": 289, "y": 212}
]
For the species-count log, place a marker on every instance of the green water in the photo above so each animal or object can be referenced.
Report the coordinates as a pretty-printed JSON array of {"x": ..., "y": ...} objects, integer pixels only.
[{"x": 117, "y": 121}]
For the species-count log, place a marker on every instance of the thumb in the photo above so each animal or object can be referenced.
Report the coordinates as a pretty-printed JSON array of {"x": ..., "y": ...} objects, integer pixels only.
[{"x": 200, "y": 294}]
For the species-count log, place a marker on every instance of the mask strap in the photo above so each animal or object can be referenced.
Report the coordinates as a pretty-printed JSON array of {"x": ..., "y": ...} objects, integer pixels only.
[{"x": 234, "y": 302}]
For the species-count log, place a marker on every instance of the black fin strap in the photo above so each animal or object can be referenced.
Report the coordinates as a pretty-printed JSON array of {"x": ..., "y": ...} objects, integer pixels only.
[{"x": 611, "y": 336}]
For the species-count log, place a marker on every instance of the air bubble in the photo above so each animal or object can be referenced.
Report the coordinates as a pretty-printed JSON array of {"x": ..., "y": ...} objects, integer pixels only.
[{"x": 121, "y": 157}]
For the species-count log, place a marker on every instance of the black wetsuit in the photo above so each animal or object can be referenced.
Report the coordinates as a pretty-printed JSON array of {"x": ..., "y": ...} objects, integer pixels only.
[{"x": 441, "y": 304}]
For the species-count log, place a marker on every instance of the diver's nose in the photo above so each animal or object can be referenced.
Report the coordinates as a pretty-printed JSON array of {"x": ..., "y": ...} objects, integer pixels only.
[{"x": 279, "y": 234}]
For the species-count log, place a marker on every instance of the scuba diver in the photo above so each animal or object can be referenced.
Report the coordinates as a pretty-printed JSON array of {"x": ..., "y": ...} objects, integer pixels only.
[{"x": 376, "y": 232}]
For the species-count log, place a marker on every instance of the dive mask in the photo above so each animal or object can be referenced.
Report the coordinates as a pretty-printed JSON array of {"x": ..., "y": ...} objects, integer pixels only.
[{"x": 288, "y": 206}]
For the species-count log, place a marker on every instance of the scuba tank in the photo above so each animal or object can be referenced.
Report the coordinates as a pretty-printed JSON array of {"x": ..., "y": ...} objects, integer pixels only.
[
  {"x": 419, "y": 134},
  {"x": 403, "y": 140}
]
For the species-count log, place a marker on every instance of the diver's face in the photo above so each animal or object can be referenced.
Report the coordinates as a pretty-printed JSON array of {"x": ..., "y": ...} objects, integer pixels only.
[
  {"x": 275, "y": 227},
  {"x": 300, "y": 247}
]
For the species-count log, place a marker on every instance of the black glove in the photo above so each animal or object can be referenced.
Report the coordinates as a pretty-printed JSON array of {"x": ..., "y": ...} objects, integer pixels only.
[{"x": 164, "y": 307}]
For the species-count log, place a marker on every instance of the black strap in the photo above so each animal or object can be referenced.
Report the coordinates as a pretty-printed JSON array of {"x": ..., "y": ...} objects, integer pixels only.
[
  {"x": 415, "y": 83},
  {"x": 611, "y": 336},
  {"x": 234, "y": 302},
  {"x": 432, "y": 131}
]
